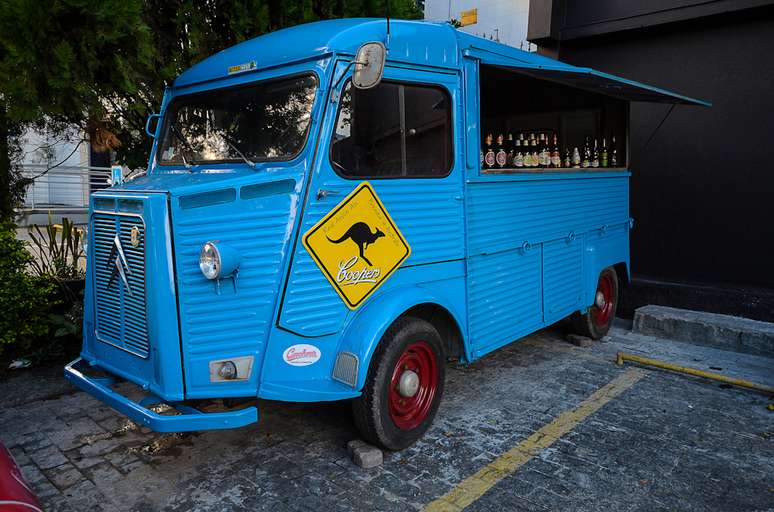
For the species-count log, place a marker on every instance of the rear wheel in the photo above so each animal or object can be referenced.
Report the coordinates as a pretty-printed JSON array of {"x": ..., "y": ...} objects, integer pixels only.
[
  {"x": 404, "y": 385},
  {"x": 596, "y": 322}
]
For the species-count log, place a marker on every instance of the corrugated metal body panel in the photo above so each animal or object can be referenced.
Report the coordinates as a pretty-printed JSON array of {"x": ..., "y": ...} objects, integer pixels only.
[
  {"x": 311, "y": 307},
  {"x": 525, "y": 240},
  {"x": 121, "y": 316},
  {"x": 504, "y": 214},
  {"x": 562, "y": 277},
  {"x": 231, "y": 319},
  {"x": 427, "y": 212},
  {"x": 504, "y": 297}
]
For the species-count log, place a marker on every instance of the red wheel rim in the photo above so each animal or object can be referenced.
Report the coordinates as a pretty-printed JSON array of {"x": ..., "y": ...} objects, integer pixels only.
[
  {"x": 407, "y": 412},
  {"x": 602, "y": 314}
]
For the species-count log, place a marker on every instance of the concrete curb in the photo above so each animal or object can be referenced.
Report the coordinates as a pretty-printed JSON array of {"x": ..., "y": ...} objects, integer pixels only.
[{"x": 709, "y": 329}]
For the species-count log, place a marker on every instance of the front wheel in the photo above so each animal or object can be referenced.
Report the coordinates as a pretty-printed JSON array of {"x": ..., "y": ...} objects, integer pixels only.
[
  {"x": 404, "y": 385},
  {"x": 597, "y": 321}
]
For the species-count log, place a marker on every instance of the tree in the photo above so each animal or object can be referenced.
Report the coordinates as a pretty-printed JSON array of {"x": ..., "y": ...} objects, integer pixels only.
[{"x": 102, "y": 65}]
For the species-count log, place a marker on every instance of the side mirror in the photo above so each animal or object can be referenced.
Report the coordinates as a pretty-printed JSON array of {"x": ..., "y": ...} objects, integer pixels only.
[
  {"x": 152, "y": 131},
  {"x": 369, "y": 65}
]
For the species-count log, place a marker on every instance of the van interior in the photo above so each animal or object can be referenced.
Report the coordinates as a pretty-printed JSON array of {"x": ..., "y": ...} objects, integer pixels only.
[{"x": 513, "y": 102}]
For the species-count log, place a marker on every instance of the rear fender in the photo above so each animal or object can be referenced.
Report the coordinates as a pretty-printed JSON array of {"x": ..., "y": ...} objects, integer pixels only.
[
  {"x": 605, "y": 247},
  {"x": 366, "y": 329}
]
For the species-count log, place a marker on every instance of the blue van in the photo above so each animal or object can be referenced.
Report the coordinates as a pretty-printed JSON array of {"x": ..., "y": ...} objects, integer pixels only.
[{"x": 332, "y": 211}]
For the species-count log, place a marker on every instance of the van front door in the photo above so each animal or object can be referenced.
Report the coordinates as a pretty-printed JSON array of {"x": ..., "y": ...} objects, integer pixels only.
[{"x": 399, "y": 137}]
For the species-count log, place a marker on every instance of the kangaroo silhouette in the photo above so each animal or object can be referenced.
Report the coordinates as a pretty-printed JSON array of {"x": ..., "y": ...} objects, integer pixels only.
[{"x": 360, "y": 233}]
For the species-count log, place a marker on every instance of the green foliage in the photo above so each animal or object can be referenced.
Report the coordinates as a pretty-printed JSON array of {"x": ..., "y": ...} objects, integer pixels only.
[
  {"x": 69, "y": 324},
  {"x": 65, "y": 60},
  {"x": 59, "y": 248},
  {"x": 12, "y": 184},
  {"x": 25, "y": 299}
]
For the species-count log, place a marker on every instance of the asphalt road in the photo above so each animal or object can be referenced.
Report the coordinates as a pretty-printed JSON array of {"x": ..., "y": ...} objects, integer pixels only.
[{"x": 515, "y": 432}]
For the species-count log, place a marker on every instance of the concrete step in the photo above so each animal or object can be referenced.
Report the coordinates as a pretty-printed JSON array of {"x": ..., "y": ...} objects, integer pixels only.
[
  {"x": 750, "y": 367},
  {"x": 709, "y": 329}
]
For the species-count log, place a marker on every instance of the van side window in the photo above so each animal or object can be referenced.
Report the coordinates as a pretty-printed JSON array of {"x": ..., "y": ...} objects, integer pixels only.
[{"x": 393, "y": 130}]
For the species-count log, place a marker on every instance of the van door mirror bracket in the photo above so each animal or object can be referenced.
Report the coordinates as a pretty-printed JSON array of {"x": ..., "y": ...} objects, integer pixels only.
[
  {"x": 369, "y": 68},
  {"x": 152, "y": 132}
]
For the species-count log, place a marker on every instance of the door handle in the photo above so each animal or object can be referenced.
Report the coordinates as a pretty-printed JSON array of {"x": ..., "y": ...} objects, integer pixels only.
[{"x": 323, "y": 193}]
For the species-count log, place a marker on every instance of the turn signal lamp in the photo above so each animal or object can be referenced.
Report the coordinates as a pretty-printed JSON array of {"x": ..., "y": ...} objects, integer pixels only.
[{"x": 227, "y": 370}]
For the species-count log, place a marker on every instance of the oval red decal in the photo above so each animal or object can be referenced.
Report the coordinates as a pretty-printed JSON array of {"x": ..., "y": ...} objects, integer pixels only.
[{"x": 301, "y": 355}]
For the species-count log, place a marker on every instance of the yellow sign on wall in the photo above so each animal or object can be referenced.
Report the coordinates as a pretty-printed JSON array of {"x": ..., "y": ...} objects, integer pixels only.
[
  {"x": 357, "y": 245},
  {"x": 469, "y": 17}
]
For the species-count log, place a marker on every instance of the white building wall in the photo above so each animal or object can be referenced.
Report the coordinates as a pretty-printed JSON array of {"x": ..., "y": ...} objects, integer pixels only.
[
  {"x": 503, "y": 20},
  {"x": 65, "y": 185}
]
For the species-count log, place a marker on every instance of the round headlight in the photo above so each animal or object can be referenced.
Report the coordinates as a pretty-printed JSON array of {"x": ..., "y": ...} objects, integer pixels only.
[{"x": 209, "y": 261}]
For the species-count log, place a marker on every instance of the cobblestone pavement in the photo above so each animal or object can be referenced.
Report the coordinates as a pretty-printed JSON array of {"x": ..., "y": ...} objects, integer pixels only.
[{"x": 669, "y": 442}]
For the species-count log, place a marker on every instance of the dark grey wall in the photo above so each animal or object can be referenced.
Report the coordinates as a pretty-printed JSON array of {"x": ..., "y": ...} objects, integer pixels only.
[
  {"x": 572, "y": 19},
  {"x": 702, "y": 193}
]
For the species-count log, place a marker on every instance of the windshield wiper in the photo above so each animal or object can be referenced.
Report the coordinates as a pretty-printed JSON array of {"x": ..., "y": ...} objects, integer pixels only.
[
  {"x": 182, "y": 138},
  {"x": 233, "y": 146}
]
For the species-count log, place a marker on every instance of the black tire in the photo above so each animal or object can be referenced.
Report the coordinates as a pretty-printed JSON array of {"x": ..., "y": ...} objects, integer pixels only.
[
  {"x": 374, "y": 412},
  {"x": 596, "y": 322}
]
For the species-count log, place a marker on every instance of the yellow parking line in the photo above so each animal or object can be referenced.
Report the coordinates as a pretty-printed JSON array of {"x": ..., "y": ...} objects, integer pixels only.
[{"x": 473, "y": 487}]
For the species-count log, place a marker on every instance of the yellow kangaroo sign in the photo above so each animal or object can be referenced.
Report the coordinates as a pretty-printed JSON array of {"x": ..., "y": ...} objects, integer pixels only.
[{"x": 357, "y": 245}]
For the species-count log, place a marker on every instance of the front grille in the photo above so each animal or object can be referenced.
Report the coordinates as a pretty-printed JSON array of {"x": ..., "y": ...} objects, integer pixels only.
[{"x": 121, "y": 313}]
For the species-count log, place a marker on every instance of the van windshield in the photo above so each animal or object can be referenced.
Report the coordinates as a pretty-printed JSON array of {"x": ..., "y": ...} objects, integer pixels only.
[{"x": 266, "y": 120}]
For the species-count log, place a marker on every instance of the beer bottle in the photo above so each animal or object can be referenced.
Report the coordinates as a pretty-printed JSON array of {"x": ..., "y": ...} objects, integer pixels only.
[
  {"x": 586, "y": 162},
  {"x": 539, "y": 153},
  {"x": 567, "y": 158},
  {"x": 556, "y": 157},
  {"x": 595, "y": 155},
  {"x": 509, "y": 147},
  {"x": 613, "y": 154},
  {"x": 501, "y": 156},
  {"x": 576, "y": 157},
  {"x": 546, "y": 152},
  {"x": 489, "y": 154},
  {"x": 518, "y": 160},
  {"x": 603, "y": 161}
]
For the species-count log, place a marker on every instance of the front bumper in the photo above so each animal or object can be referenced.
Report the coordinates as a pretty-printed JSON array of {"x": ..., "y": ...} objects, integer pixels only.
[{"x": 190, "y": 419}]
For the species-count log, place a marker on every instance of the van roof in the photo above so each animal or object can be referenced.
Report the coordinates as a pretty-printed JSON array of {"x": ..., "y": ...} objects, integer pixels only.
[
  {"x": 426, "y": 43},
  {"x": 417, "y": 42}
]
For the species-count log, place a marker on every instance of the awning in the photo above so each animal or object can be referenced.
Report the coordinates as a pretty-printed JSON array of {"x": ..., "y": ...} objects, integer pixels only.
[
  {"x": 611, "y": 85},
  {"x": 544, "y": 68}
]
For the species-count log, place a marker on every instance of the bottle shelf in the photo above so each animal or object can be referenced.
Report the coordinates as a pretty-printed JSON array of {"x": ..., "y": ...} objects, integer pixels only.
[{"x": 552, "y": 170}]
